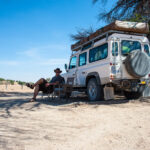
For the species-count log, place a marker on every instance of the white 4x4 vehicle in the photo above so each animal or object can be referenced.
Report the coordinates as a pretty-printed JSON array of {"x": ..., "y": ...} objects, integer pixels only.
[{"x": 114, "y": 58}]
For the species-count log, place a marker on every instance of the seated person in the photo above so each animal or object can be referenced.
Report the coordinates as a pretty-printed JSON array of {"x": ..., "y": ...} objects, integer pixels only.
[{"x": 44, "y": 86}]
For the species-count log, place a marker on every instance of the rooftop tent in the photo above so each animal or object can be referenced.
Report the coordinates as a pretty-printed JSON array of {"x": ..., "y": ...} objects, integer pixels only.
[{"x": 125, "y": 26}]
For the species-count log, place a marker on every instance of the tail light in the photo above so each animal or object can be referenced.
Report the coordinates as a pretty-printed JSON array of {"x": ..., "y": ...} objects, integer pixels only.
[{"x": 112, "y": 76}]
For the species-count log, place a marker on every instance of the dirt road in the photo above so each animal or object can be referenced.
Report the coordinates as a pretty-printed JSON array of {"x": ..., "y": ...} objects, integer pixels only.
[{"x": 76, "y": 125}]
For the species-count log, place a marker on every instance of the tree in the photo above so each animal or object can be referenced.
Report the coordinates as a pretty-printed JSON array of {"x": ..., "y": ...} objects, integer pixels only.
[
  {"x": 131, "y": 10},
  {"x": 140, "y": 18},
  {"x": 126, "y": 9},
  {"x": 11, "y": 82},
  {"x": 1, "y": 79},
  {"x": 21, "y": 83},
  {"x": 48, "y": 79},
  {"x": 82, "y": 33}
]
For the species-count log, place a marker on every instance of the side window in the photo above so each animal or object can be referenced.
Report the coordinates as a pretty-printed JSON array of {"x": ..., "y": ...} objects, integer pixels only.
[
  {"x": 146, "y": 49},
  {"x": 115, "y": 49},
  {"x": 73, "y": 62},
  {"x": 98, "y": 53},
  {"x": 82, "y": 59}
]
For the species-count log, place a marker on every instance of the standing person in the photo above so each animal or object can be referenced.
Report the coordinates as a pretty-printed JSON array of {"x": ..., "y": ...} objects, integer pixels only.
[{"x": 44, "y": 86}]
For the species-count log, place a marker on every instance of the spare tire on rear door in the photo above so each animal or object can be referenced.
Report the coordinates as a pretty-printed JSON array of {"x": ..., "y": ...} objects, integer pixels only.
[{"x": 138, "y": 64}]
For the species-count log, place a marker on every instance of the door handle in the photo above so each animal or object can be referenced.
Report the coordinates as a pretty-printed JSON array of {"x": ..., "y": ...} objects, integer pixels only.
[{"x": 83, "y": 72}]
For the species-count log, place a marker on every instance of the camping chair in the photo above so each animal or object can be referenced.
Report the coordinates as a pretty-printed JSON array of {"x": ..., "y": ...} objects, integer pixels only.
[
  {"x": 47, "y": 94},
  {"x": 64, "y": 90}
]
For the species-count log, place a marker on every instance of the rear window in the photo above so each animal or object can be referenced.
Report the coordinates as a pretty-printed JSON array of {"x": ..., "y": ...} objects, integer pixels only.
[
  {"x": 129, "y": 46},
  {"x": 98, "y": 53},
  {"x": 146, "y": 49},
  {"x": 115, "y": 49}
]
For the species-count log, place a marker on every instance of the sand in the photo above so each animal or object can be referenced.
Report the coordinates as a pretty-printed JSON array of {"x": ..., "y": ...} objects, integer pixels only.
[{"x": 74, "y": 125}]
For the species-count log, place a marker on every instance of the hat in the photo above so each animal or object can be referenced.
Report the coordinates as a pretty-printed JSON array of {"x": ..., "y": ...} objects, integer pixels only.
[{"x": 57, "y": 69}]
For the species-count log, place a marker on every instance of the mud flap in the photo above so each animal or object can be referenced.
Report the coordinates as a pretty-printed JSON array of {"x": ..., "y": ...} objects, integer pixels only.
[
  {"x": 108, "y": 93},
  {"x": 146, "y": 91}
]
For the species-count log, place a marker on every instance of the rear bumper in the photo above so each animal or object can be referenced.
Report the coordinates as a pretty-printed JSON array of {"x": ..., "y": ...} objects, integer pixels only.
[{"x": 132, "y": 84}]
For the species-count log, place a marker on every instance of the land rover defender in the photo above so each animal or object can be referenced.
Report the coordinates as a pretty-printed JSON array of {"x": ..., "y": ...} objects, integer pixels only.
[{"x": 116, "y": 56}]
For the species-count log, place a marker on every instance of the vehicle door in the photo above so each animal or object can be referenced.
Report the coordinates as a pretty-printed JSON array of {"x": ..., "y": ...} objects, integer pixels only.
[
  {"x": 72, "y": 70},
  {"x": 126, "y": 47},
  {"x": 82, "y": 68},
  {"x": 115, "y": 59}
]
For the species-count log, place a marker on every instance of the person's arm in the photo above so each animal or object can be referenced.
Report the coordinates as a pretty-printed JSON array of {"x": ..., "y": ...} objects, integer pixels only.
[
  {"x": 55, "y": 83},
  {"x": 63, "y": 80}
]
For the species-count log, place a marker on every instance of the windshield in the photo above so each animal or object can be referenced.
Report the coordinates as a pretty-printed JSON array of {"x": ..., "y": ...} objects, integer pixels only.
[
  {"x": 73, "y": 62},
  {"x": 129, "y": 46}
]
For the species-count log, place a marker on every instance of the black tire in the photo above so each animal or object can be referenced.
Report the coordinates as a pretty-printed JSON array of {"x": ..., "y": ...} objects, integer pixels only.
[
  {"x": 94, "y": 90},
  {"x": 137, "y": 64},
  {"x": 132, "y": 95}
]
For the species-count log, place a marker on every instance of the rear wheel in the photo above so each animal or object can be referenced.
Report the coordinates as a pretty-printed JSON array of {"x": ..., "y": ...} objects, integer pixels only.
[
  {"x": 94, "y": 91},
  {"x": 132, "y": 95}
]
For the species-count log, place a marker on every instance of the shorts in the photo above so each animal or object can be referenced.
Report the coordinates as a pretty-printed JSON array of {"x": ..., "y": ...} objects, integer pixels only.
[{"x": 45, "y": 89}]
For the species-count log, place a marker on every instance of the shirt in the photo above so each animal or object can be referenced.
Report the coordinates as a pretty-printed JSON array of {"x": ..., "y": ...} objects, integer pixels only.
[{"x": 59, "y": 78}]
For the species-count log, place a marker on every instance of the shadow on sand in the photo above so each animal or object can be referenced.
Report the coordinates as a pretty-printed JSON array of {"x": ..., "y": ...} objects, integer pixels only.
[
  {"x": 11, "y": 94},
  {"x": 7, "y": 104}
]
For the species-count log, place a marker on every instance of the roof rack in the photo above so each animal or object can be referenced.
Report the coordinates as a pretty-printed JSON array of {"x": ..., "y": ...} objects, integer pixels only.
[
  {"x": 101, "y": 36},
  {"x": 122, "y": 27}
]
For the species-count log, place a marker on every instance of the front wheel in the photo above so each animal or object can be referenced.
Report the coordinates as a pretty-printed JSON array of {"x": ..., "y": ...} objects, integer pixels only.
[
  {"x": 94, "y": 91},
  {"x": 132, "y": 95}
]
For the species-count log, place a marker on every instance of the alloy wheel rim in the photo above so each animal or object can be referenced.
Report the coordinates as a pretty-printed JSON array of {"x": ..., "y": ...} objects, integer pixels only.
[{"x": 92, "y": 91}]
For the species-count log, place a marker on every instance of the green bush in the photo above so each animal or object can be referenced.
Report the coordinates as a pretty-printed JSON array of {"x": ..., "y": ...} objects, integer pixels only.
[
  {"x": 21, "y": 83},
  {"x": 48, "y": 79},
  {"x": 1, "y": 79},
  {"x": 11, "y": 82}
]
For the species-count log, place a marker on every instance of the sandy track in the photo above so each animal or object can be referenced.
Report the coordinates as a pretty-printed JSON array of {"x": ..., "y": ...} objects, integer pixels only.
[{"x": 49, "y": 125}]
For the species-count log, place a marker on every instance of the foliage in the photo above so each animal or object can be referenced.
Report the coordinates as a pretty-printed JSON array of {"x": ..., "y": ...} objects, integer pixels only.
[
  {"x": 21, "y": 83},
  {"x": 1, "y": 79},
  {"x": 11, "y": 82},
  {"x": 140, "y": 18},
  {"x": 126, "y": 9},
  {"x": 82, "y": 33},
  {"x": 131, "y": 10},
  {"x": 48, "y": 79},
  {"x": 137, "y": 18},
  {"x": 8, "y": 81}
]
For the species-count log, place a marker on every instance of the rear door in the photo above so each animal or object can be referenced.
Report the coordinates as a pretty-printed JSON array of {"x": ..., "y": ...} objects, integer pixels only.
[{"x": 126, "y": 47}]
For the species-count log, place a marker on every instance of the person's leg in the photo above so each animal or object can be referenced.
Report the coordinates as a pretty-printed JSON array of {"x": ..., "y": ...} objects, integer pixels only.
[
  {"x": 40, "y": 81},
  {"x": 36, "y": 91}
]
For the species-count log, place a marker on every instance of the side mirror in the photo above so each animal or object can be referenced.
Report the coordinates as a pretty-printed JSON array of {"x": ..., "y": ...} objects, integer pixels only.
[{"x": 66, "y": 67}]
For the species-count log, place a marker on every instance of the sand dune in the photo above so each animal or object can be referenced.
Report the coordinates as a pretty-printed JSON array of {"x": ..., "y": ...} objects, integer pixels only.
[{"x": 76, "y": 125}]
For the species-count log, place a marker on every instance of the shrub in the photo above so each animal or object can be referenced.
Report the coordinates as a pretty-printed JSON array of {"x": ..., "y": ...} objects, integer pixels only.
[
  {"x": 10, "y": 82},
  {"x": 1, "y": 79}
]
